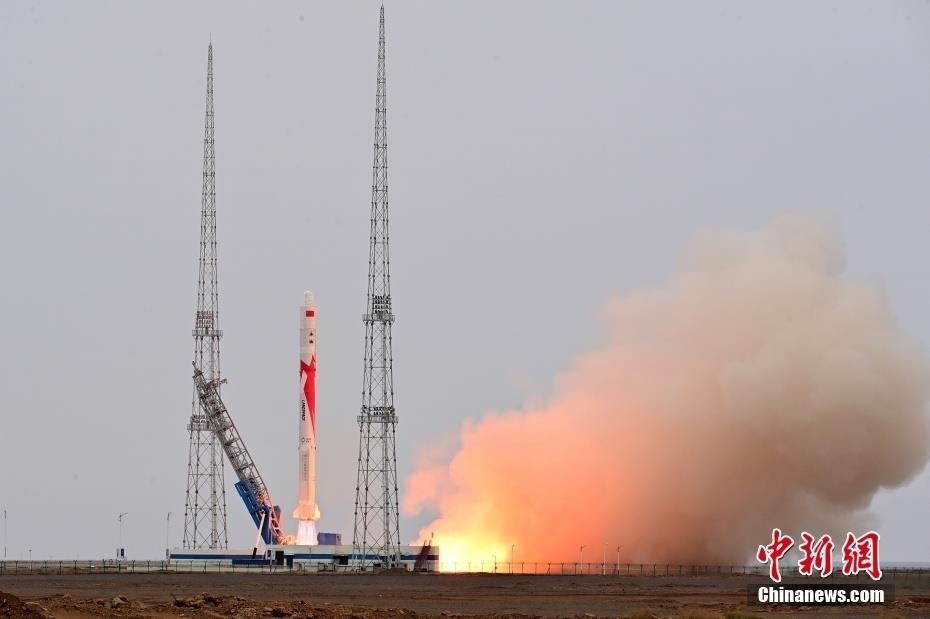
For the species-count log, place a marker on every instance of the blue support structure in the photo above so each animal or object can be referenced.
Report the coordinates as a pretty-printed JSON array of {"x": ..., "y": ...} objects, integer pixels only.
[{"x": 272, "y": 513}]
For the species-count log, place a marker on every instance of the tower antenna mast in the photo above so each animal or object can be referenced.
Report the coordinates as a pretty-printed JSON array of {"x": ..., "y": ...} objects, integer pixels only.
[
  {"x": 376, "y": 539},
  {"x": 205, "y": 504}
]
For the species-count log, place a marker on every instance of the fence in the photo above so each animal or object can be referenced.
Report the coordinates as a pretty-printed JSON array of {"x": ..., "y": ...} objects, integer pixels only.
[
  {"x": 656, "y": 570},
  {"x": 112, "y": 566},
  {"x": 541, "y": 568}
]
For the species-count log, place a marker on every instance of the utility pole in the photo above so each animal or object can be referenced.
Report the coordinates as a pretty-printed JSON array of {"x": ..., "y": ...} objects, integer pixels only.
[
  {"x": 119, "y": 550},
  {"x": 168, "y": 536},
  {"x": 376, "y": 537},
  {"x": 604, "y": 563},
  {"x": 4, "y": 535},
  {"x": 205, "y": 502}
]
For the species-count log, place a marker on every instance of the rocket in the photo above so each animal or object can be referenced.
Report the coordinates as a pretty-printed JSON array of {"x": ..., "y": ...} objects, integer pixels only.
[{"x": 307, "y": 511}]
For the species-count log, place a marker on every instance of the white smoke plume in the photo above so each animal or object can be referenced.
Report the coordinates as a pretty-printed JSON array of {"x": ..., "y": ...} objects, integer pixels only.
[{"x": 758, "y": 388}]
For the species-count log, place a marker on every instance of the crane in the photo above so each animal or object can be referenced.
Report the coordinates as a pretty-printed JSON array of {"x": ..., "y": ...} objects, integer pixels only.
[{"x": 251, "y": 487}]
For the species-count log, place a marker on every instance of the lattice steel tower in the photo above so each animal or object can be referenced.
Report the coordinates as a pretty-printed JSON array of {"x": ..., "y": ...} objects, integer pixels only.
[
  {"x": 205, "y": 506},
  {"x": 376, "y": 540}
]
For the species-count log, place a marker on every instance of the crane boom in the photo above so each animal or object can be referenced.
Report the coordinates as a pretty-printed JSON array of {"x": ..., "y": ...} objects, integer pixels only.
[{"x": 250, "y": 486}]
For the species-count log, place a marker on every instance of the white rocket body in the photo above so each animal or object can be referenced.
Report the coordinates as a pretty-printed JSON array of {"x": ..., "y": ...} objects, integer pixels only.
[{"x": 307, "y": 511}]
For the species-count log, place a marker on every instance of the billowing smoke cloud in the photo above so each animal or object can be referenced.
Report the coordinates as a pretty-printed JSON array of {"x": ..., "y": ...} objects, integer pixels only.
[{"x": 758, "y": 388}]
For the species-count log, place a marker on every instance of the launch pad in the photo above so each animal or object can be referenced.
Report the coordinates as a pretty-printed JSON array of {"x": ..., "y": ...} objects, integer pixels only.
[{"x": 315, "y": 558}]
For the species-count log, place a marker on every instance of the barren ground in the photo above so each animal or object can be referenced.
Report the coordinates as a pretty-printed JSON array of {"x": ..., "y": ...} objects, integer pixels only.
[{"x": 407, "y": 595}]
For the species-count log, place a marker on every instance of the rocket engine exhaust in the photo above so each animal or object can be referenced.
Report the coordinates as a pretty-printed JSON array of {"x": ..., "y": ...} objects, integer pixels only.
[
  {"x": 307, "y": 511},
  {"x": 760, "y": 387}
]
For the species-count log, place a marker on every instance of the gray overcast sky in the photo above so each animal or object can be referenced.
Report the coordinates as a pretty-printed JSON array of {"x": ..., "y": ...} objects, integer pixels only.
[{"x": 544, "y": 156}]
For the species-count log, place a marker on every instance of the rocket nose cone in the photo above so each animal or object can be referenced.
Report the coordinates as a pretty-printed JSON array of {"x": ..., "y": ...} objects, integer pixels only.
[{"x": 308, "y": 298}]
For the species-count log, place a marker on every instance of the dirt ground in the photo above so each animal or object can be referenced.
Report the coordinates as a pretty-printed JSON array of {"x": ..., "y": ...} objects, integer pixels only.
[{"x": 408, "y": 595}]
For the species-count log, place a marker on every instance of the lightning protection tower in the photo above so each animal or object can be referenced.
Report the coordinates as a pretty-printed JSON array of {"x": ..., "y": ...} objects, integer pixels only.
[
  {"x": 376, "y": 539},
  {"x": 205, "y": 504}
]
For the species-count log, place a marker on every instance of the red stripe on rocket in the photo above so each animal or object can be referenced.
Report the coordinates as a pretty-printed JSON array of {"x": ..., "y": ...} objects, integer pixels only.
[{"x": 308, "y": 380}]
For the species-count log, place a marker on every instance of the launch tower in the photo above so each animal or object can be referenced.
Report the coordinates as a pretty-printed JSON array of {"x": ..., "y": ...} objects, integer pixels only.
[
  {"x": 205, "y": 505},
  {"x": 376, "y": 539}
]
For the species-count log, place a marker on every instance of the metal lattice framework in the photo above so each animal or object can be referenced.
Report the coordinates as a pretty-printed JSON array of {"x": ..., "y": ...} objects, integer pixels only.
[
  {"x": 205, "y": 505},
  {"x": 376, "y": 539},
  {"x": 219, "y": 420}
]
